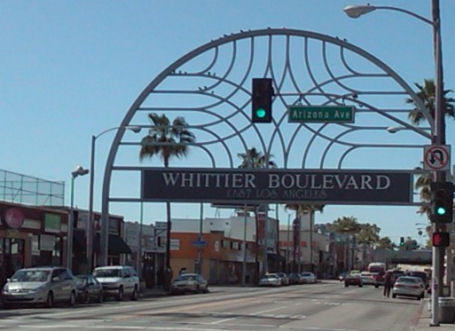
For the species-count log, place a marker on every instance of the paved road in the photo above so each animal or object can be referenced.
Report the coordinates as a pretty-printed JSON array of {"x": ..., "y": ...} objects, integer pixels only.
[{"x": 323, "y": 306}]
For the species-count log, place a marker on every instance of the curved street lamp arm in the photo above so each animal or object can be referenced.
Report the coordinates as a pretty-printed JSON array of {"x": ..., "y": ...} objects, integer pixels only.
[{"x": 426, "y": 20}]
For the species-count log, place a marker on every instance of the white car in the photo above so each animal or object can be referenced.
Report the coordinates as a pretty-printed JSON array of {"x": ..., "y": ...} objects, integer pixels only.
[
  {"x": 409, "y": 286},
  {"x": 309, "y": 278},
  {"x": 118, "y": 281},
  {"x": 270, "y": 280}
]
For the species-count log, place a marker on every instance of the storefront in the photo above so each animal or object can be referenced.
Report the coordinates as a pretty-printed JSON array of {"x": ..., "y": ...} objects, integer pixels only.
[{"x": 30, "y": 236}]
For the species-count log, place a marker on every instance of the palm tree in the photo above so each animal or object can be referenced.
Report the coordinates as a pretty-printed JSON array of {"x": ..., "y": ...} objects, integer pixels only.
[
  {"x": 166, "y": 140},
  {"x": 253, "y": 159},
  {"x": 427, "y": 94},
  {"x": 422, "y": 184}
]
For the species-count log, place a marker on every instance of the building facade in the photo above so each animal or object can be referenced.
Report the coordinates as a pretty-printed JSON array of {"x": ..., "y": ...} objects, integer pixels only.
[{"x": 31, "y": 236}]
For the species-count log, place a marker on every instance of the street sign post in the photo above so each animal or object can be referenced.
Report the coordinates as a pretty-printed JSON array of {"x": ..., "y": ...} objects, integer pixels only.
[{"x": 321, "y": 114}]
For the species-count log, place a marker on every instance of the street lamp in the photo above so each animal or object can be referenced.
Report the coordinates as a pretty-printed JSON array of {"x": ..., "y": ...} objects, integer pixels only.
[
  {"x": 78, "y": 171},
  {"x": 89, "y": 225},
  {"x": 438, "y": 129}
]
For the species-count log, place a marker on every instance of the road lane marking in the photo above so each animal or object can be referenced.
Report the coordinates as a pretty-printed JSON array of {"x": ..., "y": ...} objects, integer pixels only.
[{"x": 223, "y": 320}]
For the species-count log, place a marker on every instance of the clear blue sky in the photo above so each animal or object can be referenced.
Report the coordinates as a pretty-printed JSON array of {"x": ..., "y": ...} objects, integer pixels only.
[{"x": 71, "y": 69}]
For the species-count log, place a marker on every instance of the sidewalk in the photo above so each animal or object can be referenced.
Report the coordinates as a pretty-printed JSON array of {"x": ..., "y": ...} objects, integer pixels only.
[{"x": 423, "y": 320}]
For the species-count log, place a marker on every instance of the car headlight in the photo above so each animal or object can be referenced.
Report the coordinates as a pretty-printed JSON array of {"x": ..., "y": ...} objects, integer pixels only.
[{"x": 5, "y": 289}]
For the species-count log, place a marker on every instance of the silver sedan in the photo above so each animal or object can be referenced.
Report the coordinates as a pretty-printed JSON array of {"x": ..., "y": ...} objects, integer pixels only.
[{"x": 409, "y": 286}]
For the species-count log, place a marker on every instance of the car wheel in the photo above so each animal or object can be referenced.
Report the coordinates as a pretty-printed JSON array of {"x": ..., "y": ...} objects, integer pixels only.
[
  {"x": 120, "y": 294},
  {"x": 206, "y": 290},
  {"x": 72, "y": 300},
  {"x": 346, "y": 285},
  {"x": 50, "y": 300},
  {"x": 394, "y": 296},
  {"x": 376, "y": 286},
  {"x": 419, "y": 297},
  {"x": 360, "y": 285},
  {"x": 134, "y": 294}
]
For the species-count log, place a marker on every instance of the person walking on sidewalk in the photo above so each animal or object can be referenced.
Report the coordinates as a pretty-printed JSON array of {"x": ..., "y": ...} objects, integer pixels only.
[{"x": 387, "y": 283}]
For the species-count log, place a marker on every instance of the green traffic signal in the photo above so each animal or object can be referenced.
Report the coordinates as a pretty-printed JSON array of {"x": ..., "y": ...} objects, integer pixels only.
[
  {"x": 260, "y": 113},
  {"x": 441, "y": 211}
]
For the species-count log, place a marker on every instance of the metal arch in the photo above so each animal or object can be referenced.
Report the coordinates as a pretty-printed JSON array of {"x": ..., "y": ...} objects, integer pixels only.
[{"x": 171, "y": 70}]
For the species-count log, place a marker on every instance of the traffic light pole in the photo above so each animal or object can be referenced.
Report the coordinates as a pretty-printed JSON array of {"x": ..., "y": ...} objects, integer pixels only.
[{"x": 438, "y": 138}]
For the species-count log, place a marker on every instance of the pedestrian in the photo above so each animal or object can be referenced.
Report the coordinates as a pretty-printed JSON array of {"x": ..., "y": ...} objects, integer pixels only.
[{"x": 387, "y": 283}]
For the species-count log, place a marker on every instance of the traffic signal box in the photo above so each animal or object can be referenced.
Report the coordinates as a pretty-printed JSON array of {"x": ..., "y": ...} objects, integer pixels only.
[
  {"x": 441, "y": 202},
  {"x": 261, "y": 100},
  {"x": 441, "y": 239}
]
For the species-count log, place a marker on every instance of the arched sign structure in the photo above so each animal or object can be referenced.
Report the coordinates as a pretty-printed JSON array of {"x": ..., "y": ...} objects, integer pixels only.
[{"x": 211, "y": 88}]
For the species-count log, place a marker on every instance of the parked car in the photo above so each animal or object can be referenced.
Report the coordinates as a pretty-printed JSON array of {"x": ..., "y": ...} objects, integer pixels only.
[
  {"x": 308, "y": 278},
  {"x": 118, "y": 281},
  {"x": 189, "y": 282},
  {"x": 40, "y": 285},
  {"x": 270, "y": 280},
  {"x": 368, "y": 279},
  {"x": 284, "y": 278},
  {"x": 409, "y": 286},
  {"x": 294, "y": 278},
  {"x": 88, "y": 288},
  {"x": 353, "y": 278},
  {"x": 342, "y": 276}
]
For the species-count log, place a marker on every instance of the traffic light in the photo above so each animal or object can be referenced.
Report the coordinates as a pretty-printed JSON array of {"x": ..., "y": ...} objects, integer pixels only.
[
  {"x": 441, "y": 202},
  {"x": 441, "y": 239},
  {"x": 261, "y": 100},
  {"x": 401, "y": 241}
]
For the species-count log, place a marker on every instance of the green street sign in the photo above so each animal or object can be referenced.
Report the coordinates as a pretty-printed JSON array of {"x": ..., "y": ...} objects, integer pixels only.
[{"x": 321, "y": 114}]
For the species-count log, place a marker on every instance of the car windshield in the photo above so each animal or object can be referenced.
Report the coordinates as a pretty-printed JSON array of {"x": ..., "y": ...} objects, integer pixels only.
[
  {"x": 108, "y": 273},
  {"x": 81, "y": 280},
  {"x": 186, "y": 277},
  {"x": 30, "y": 276}
]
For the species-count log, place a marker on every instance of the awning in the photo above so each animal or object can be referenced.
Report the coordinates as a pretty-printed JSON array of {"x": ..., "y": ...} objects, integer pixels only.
[{"x": 116, "y": 245}]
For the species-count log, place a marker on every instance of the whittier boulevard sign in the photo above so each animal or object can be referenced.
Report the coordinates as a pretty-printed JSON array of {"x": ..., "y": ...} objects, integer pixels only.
[{"x": 277, "y": 186}]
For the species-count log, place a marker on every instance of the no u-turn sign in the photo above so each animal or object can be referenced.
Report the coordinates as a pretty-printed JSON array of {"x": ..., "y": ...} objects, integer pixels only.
[{"x": 436, "y": 157}]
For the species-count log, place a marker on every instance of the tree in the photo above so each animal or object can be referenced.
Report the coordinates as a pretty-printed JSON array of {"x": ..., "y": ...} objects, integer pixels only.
[
  {"x": 427, "y": 93},
  {"x": 368, "y": 234},
  {"x": 422, "y": 184},
  {"x": 385, "y": 242},
  {"x": 253, "y": 159},
  {"x": 346, "y": 225},
  {"x": 166, "y": 141}
]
